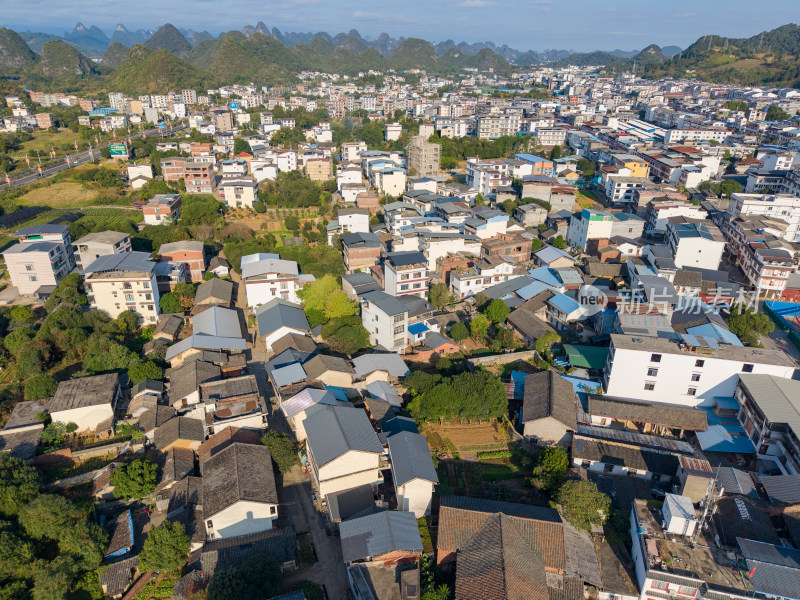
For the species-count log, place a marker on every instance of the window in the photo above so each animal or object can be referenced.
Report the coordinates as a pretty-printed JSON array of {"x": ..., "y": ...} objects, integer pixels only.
[
  {"x": 209, "y": 524},
  {"x": 692, "y": 391},
  {"x": 148, "y": 296},
  {"x": 404, "y": 287},
  {"x": 29, "y": 267},
  {"x": 652, "y": 372},
  {"x": 398, "y": 329},
  {"x": 655, "y": 358},
  {"x": 397, "y": 318},
  {"x": 649, "y": 385},
  {"x": 272, "y": 510},
  {"x": 659, "y": 585},
  {"x": 146, "y": 285},
  {"x": 699, "y": 362},
  {"x": 128, "y": 297},
  {"x": 33, "y": 278},
  {"x": 747, "y": 368},
  {"x": 695, "y": 376}
]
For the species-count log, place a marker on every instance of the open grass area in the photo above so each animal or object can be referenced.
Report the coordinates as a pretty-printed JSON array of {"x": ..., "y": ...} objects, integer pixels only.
[
  {"x": 65, "y": 194},
  {"x": 43, "y": 141}
]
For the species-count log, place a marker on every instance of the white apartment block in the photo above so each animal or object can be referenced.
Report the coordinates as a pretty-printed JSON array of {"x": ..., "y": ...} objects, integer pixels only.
[
  {"x": 94, "y": 245},
  {"x": 659, "y": 212},
  {"x": 386, "y": 320},
  {"x": 695, "y": 243},
  {"x": 490, "y": 128},
  {"x": 392, "y": 131},
  {"x": 621, "y": 189},
  {"x": 406, "y": 273},
  {"x": 33, "y": 265},
  {"x": 123, "y": 282},
  {"x": 660, "y": 370},
  {"x": 679, "y": 136},
  {"x": 351, "y": 151},
  {"x": 267, "y": 276},
  {"x": 484, "y": 275},
  {"x": 780, "y": 206}
]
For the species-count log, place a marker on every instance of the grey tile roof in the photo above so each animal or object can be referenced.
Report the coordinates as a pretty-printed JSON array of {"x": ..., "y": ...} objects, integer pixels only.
[
  {"x": 24, "y": 414},
  {"x": 547, "y": 394},
  {"x": 378, "y": 534},
  {"x": 657, "y": 413},
  {"x": 380, "y": 361},
  {"x": 321, "y": 363},
  {"x": 303, "y": 343},
  {"x": 734, "y": 481},
  {"x": 279, "y": 313},
  {"x": 775, "y": 569},
  {"x": 404, "y": 259},
  {"x": 186, "y": 379},
  {"x": 624, "y": 455},
  {"x": 240, "y": 472},
  {"x": 352, "y": 502},
  {"x": 782, "y": 488},
  {"x": 215, "y": 289},
  {"x": 175, "y": 464},
  {"x": 85, "y": 391},
  {"x": 217, "y": 321},
  {"x": 411, "y": 458},
  {"x": 385, "y": 302},
  {"x": 179, "y": 428},
  {"x": 120, "y": 534},
  {"x": 337, "y": 430},
  {"x": 117, "y": 577},
  {"x": 206, "y": 342},
  {"x": 279, "y": 543},
  {"x": 155, "y": 417}
]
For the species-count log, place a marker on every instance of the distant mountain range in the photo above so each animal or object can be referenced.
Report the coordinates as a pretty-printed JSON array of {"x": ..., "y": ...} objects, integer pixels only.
[
  {"x": 169, "y": 58},
  {"x": 93, "y": 42}
]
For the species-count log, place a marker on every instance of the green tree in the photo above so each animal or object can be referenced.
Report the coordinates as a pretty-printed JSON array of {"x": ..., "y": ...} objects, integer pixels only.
[
  {"x": 459, "y": 332},
  {"x": 292, "y": 223},
  {"x": 40, "y": 386},
  {"x": 551, "y": 466},
  {"x": 536, "y": 245},
  {"x": 497, "y": 311},
  {"x": 325, "y": 298},
  {"x": 478, "y": 326},
  {"x": 69, "y": 290},
  {"x": 260, "y": 207},
  {"x": 54, "y": 436},
  {"x": 128, "y": 322},
  {"x": 200, "y": 210},
  {"x": 52, "y": 579},
  {"x": 479, "y": 200},
  {"x": 748, "y": 325},
  {"x": 22, "y": 315},
  {"x": 165, "y": 548},
  {"x": 559, "y": 243},
  {"x": 135, "y": 480},
  {"x": 17, "y": 341},
  {"x": 439, "y": 296},
  {"x": 345, "y": 335},
  {"x": 170, "y": 303},
  {"x": 19, "y": 484},
  {"x": 776, "y": 113},
  {"x": 142, "y": 370},
  {"x": 466, "y": 395},
  {"x": 16, "y": 552},
  {"x": 583, "y": 504},
  {"x": 240, "y": 145},
  {"x": 282, "y": 449},
  {"x": 258, "y": 577}
]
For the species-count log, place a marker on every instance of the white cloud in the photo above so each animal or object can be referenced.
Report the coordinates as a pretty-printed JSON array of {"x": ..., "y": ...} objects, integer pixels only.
[{"x": 476, "y": 4}]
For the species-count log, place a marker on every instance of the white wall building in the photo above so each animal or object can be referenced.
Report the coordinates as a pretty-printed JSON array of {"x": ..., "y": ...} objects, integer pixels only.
[
  {"x": 386, "y": 320},
  {"x": 780, "y": 206}
]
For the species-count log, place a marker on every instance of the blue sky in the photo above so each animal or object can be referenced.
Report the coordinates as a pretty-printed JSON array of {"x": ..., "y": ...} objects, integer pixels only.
[{"x": 525, "y": 24}]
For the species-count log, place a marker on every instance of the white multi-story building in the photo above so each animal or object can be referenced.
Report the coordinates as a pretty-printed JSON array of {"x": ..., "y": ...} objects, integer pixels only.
[
  {"x": 487, "y": 272},
  {"x": 351, "y": 151},
  {"x": 780, "y": 206},
  {"x": 679, "y": 136},
  {"x": 189, "y": 97},
  {"x": 392, "y": 131},
  {"x": 662, "y": 370},
  {"x": 621, "y": 189},
  {"x": 406, "y": 273},
  {"x": 123, "y": 282},
  {"x": 42, "y": 257},
  {"x": 659, "y": 211},
  {"x": 386, "y": 320},
  {"x": 693, "y": 243},
  {"x": 267, "y": 276},
  {"x": 94, "y": 245}
]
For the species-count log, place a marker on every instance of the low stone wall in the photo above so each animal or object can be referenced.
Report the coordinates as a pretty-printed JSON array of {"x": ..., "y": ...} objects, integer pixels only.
[{"x": 501, "y": 359}]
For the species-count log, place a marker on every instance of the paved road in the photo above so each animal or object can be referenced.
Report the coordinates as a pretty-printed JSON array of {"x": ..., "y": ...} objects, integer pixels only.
[{"x": 77, "y": 159}]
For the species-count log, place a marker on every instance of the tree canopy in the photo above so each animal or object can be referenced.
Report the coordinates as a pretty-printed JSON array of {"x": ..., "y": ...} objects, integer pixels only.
[
  {"x": 165, "y": 548},
  {"x": 468, "y": 395},
  {"x": 257, "y": 577},
  {"x": 748, "y": 325},
  {"x": 324, "y": 300},
  {"x": 439, "y": 295},
  {"x": 345, "y": 335},
  {"x": 135, "y": 480},
  {"x": 497, "y": 311},
  {"x": 583, "y": 504},
  {"x": 551, "y": 466},
  {"x": 282, "y": 449}
]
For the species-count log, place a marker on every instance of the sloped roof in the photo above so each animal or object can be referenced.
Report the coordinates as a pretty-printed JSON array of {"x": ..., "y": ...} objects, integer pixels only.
[
  {"x": 547, "y": 394},
  {"x": 186, "y": 379},
  {"x": 226, "y": 553},
  {"x": 338, "y": 430},
  {"x": 240, "y": 472},
  {"x": 378, "y": 534},
  {"x": 411, "y": 458},
  {"x": 782, "y": 488},
  {"x": 206, "y": 342},
  {"x": 279, "y": 313},
  {"x": 380, "y": 361},
  {"x": 217, "y": 321},
  {"x": 305, "y": 399},
  {"x": 775, "y": 569},
  {"x": 303, "y": 343},
  {"x": 179, "y": 428},
  {"x": 624, "y": 455},
  {"x": 656, "y": 413},
  {"x": 214, "y": 289},
  {"x": 777, "y": 397},
  {"x": 85, "y": 391}
]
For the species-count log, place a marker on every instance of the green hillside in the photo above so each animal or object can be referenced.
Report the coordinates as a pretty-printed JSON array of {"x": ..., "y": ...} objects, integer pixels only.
[
  {"x": 115, "y": 55},
  {"x": 15, "y": 54},
  {"x": 60, "y": 61},
  {"x": 152, "y": 71},
  {"x": 170, "y": 39}
]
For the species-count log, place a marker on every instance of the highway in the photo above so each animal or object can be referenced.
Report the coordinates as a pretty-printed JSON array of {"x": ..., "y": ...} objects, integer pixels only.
[{"x": 79, "y": 158}]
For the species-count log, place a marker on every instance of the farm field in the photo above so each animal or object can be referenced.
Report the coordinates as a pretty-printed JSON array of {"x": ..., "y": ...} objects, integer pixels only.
[
  {"x": 43, "y": 141},
  {"x": 65, "y": 194},
  {"x": 101, "y": 216},
  {"x": 587, "y": 199},
  {"x": 466, "y": 440}
]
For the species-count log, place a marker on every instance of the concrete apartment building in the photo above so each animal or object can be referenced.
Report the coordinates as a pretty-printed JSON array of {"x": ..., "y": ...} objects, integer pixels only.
[
  {"x": 188, "y": 252},
  {"x": 172, "y": 168},
  {"x": 120, "y": 282},
  {"x": 199, "y": 177},
  {"x": 239, "y": 193},
  {"x": 785, "y": 207},
  {"x": 392, "y": 131},
  {"x": 693, "y": 243},
  {"x": 406, "y": 273},
  {"x": 94, "y": 245},
  {"x": 42, "y": 258},
  {"x": 679, "y": 136},
  {"x": 654, "y": 369},
  {"x": 386, "y": 320},
  {"x": 319, "y": 169},
  {"x": 266, "y": 277},
  {"x": 162, "y": 209},
  {"x": 423, "y": 156},
  {"x": 659, "y": 211}
]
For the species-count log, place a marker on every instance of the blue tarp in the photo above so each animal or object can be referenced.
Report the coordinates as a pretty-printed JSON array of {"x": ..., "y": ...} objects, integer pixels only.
[{"x": 724, "y": 435}]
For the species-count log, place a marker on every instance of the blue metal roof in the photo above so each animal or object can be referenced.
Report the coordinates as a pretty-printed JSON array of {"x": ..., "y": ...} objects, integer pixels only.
[
  {"x": 545, "y": 275},
  {"x": 564, "y": 303},
  {"x": 417, "y": 328},
  {"x": 723, "y": 435},
  {"x": 289, "y": 374}
]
